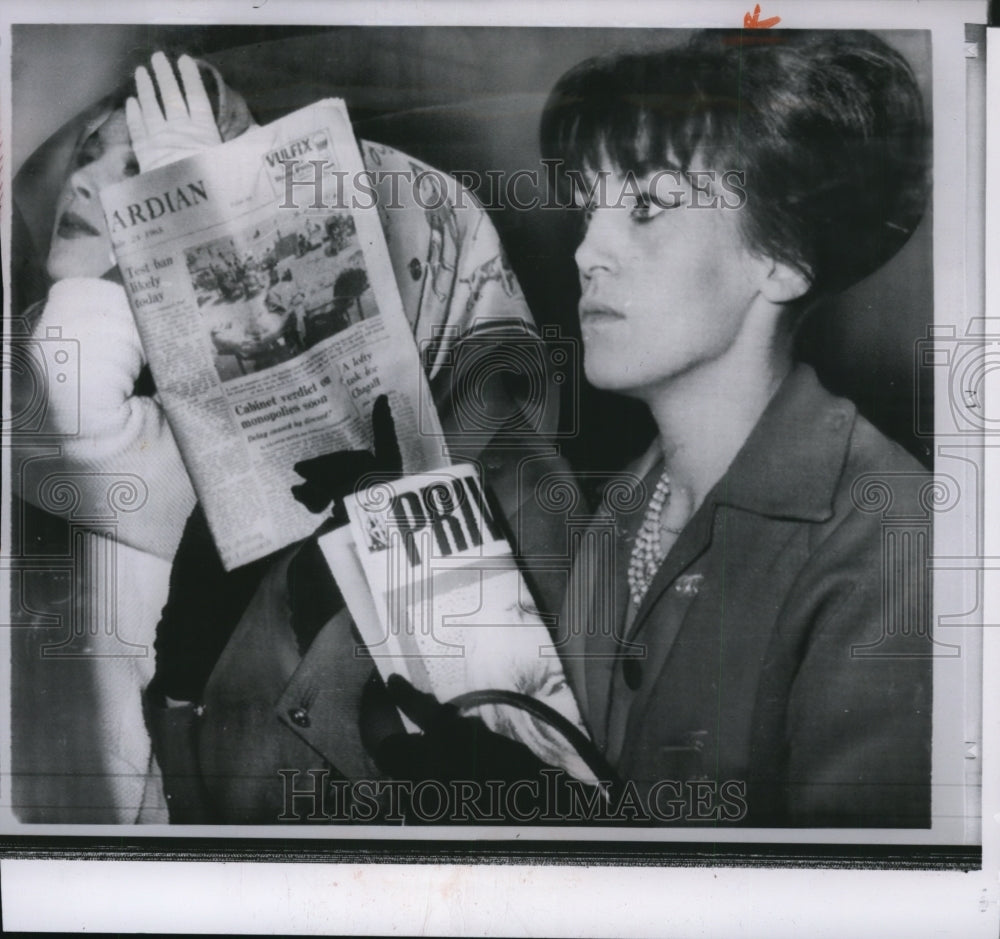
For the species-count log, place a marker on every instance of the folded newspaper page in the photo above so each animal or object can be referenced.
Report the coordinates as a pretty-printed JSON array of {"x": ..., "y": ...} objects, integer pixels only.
[
  {"x": 263, "y": 293},
  {"x": 435, "y": 591}
]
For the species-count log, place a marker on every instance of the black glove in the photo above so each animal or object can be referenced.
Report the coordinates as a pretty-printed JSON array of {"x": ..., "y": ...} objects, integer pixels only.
[
  {"x": 332, "y": 476},
  {"x": 451, "y": 747},
  {"x": 313, "y": 594},
  {"x": 487, "y": 778}
]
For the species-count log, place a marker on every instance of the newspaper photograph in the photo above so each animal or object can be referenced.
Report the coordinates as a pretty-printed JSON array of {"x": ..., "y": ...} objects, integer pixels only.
[
  {"x": 269, "y": 328},
  {"x": 499, "y": 445}
]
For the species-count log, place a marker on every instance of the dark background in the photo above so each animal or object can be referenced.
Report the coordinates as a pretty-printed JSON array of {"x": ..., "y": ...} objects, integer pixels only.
[{"x": 460, "y": 98}]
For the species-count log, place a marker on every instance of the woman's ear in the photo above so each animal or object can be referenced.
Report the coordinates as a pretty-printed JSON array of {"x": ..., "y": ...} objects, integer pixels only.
[{"x": 785, "y": 282}]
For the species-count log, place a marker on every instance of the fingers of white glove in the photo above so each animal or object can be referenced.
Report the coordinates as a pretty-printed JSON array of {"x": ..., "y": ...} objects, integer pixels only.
[
  {"x": 170, "y": 92},
  {"x": 151, "y": 114},
  {"x": 136, "y": 125},
  {"x": 199, "y": 107}
]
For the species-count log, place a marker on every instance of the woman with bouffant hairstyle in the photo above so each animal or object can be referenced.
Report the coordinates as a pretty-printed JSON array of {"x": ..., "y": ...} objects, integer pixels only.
[{"x": 752, "y": 655}]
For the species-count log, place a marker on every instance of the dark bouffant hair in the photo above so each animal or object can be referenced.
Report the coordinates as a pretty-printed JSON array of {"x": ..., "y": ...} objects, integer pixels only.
[{"x": 828, "y": 128}]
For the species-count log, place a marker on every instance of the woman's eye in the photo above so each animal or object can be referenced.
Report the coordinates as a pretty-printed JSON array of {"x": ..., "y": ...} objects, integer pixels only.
[
  {"x": 648, "y": 207},
  {"x": 89, "y": 152},
  {"x": 643, "y": 210}
]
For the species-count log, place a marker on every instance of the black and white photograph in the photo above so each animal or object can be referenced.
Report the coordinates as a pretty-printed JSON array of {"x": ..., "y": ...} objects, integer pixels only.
[
  {"x": 698, "y": 308},
  {"x": 266, "y": 298}
]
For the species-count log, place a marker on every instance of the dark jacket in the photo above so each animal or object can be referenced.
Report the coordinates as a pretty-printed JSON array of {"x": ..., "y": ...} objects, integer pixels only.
[{"x": 778, "y": 670}]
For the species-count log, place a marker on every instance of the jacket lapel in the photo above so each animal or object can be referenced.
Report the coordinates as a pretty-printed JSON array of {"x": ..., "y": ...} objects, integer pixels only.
[
  {"x": 690, "y": 545},
  {"x": 571, "y": 645},
  {"x": 599, "y": 590},
  {"x": 589, "y": 615},
  {"x": 656, "y": 643}
]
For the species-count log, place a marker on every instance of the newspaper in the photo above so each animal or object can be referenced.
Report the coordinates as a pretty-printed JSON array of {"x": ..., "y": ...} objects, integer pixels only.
[
  {"x": 435, "y": 591},
  {"x": 262, "y": 289}
]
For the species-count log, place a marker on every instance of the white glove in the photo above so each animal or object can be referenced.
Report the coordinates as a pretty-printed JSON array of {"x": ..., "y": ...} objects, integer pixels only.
[{"x": 182, "y": 128}]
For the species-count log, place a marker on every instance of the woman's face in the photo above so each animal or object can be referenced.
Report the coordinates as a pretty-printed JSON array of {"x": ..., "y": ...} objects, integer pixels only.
[
  {"x": 81, "y": 245},
  {"x": 666, "y": 282}
]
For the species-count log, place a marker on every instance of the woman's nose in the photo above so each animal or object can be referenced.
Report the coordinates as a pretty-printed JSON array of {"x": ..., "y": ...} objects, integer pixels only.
[
  {"x": 82, "y": 184},
  {"x": 596, "y": 251}
]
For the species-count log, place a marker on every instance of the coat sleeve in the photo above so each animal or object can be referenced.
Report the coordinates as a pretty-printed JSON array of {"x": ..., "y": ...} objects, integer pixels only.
[
  {"x": 116, "y": 451},
  {"x": 858, "y": 644}
]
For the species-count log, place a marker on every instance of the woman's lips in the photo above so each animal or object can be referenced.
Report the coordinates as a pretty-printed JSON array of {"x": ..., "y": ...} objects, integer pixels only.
[
  {"x": 595, "y": 314},
  {"x": 72, "y": 225}
]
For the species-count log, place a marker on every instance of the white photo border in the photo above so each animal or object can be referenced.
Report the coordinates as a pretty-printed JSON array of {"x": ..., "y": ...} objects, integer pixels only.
[{"x": 968, "y": 892}]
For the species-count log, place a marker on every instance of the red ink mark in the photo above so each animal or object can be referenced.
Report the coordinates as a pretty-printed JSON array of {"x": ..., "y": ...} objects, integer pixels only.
[{"x": 753, "y": 20}]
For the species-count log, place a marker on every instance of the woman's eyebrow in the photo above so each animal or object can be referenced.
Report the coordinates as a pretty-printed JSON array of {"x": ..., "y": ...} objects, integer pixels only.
[{"x": 650, "y": 169}]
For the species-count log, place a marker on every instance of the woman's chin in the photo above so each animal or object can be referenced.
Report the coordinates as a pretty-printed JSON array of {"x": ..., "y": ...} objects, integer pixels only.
[
  {"x": 63, "y": 264},
  {"x": 55, "y": 268},
  {"x": 607, "y": 374}
]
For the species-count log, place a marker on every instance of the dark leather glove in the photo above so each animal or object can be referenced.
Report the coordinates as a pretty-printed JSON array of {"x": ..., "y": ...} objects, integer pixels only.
[
  {"x": 313, "y": 594},
  {"x": 451, "y": 747},
  {"x": 485, "y": 777},
  {"x": 489, "y": 777},
  {"x": 332, "y": 476}
]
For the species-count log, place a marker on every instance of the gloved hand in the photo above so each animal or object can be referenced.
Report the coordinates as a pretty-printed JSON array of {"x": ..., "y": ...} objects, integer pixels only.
[
  {"x": 313, "y": 593},
  {"x": 501, "y": 780},
  {"x": 183, "y": 127},
  {"x": 451, "y": 747},
  {"x": 330, "y": 477}
]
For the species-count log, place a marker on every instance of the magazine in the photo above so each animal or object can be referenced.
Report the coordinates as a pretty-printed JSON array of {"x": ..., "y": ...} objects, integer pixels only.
[
  {"x": 263, "y": 293},
  {"x": 434, "y": 588}
]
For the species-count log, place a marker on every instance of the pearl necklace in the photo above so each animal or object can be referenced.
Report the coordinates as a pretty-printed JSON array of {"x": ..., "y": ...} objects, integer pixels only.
[{"x": 647, "y": 551}]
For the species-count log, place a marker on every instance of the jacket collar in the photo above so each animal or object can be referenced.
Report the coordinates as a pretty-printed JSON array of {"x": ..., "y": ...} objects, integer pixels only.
[
  {"x": 791, "y": 463},
  {"x": 793, "y": 460}
]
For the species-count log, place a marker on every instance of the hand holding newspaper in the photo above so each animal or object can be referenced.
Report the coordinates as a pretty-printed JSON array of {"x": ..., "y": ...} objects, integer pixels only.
[
  {"x": 267, "y": 307},
  {"x": 433, "y": 586},
  {"x": 263, "y": 293}
]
